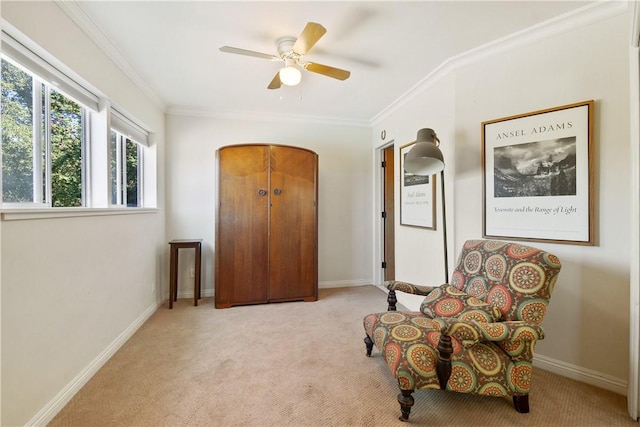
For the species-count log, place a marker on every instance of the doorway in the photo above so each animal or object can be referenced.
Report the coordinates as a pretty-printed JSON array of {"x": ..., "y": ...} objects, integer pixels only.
[{"x": 388, "y": 216}]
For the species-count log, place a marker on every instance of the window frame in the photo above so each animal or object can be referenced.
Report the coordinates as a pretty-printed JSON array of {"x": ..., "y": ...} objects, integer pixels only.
[
  {"x": 97, "y": 119},
  {"x": 42, "y": 143},
  {"x": 121, "y": 193}
]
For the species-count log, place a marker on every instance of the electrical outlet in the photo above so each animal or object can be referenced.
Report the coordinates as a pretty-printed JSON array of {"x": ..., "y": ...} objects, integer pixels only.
[{"x": 193, "y": 272}]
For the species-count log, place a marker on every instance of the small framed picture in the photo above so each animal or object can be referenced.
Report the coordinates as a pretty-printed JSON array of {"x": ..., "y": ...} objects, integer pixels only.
[
  {"x": 417, "y": 196},
  {"x": 538, "y": 178}
]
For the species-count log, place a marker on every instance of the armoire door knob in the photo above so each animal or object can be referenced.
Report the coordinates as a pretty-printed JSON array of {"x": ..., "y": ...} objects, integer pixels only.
[
  {"x": 262, "y": 192},
  {"x": 277, "y": 191}
]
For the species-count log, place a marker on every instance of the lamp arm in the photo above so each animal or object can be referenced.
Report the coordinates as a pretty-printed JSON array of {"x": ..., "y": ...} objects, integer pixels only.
[{"x": 444, "y": 228}]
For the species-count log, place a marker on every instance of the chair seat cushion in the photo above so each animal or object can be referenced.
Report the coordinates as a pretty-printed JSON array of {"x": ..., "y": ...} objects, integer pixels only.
[{"x": 449, "y": 301}]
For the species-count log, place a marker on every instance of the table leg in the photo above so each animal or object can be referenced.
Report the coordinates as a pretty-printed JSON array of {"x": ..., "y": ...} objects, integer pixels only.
[
  {"x": 196, "y": 290},
  {"x": 173, "y": 275}
]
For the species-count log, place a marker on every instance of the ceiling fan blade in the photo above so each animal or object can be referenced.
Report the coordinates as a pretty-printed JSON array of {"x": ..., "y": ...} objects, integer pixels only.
[
  {"x": 325, "y": 70},
  {"x": 275, "y": 83},
  {"x": 229, "y": 49},
  {"x": 310, "y": 35}
]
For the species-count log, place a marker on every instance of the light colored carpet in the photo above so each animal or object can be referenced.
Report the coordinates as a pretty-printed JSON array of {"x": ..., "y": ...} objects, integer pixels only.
[{"x": 296, "y": 364}]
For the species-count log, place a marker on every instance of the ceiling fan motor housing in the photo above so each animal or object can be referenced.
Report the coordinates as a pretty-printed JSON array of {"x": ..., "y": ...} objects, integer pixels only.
[{"x": 285, "y": 48}]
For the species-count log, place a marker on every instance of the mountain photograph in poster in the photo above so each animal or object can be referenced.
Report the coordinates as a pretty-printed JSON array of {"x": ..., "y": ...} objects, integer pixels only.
[{"x": 534, "y": 169}]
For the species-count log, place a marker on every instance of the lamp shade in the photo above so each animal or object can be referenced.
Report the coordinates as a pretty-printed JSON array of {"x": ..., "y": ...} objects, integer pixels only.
[
  {"x": 425, "y": 158},
  {"x": 290, "y": 75}
]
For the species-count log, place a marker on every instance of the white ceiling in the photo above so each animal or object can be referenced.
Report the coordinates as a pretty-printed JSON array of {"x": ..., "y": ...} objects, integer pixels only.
[{"x": 172, "y": 48}]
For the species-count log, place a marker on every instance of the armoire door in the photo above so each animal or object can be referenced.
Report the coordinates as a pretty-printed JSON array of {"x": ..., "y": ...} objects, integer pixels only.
[
  {"x": 242, "y": 241},
  {"x": 293, "y": 249}
]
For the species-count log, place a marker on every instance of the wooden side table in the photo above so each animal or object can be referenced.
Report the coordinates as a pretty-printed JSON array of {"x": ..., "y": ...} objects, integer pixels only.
[{"x": 173, "y": 268}]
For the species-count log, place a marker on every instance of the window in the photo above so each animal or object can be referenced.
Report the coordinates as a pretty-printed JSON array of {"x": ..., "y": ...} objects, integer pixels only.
[
  {"x": 42, "y": 142},
  {"x": 126, "y": 150},
  {"x": 125, "y": 157},
  {"x": 62, "y": 146}
]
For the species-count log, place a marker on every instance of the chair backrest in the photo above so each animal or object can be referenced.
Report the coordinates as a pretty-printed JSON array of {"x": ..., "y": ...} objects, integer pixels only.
[{"x": 518, "y": 279}]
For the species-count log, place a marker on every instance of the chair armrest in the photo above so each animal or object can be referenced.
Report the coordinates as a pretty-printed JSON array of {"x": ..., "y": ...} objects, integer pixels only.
[
  {"x": 409, "y": 288},
  {"x": 468, "y": 333},
  {"x": 516, "y": 338}
]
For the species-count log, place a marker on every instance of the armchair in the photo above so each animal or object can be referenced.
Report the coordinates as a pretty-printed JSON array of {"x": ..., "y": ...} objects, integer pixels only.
[{"x": 474, "y": 335}]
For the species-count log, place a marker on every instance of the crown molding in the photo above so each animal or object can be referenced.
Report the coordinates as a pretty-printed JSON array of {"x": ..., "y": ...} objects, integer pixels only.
[
  {"x": 86, "y": 24},
  {"x": 586, "y": 15},
  {"x": 266, "y": 117},
  {"x": 581, "y": 17}
]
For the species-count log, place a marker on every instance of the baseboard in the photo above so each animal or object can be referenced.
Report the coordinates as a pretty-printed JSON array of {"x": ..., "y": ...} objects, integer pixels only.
[
  {"x": 188, "y": 293},
  {"x": 581, "y": 374},
  {"x": 343, "y": 283},
  {"x": 205, "y": 293},
  {"x": 46, "y": 414}
]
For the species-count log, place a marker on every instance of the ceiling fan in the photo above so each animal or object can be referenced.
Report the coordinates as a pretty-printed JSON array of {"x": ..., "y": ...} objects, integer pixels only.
[{"x": 291, "y": 51}]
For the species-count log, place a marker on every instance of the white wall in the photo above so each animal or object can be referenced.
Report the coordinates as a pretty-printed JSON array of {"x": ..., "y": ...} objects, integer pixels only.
[
  {"x": 591, "y": 298},
  {"x": 344, "y": 216},
  {"x": 73, "y": 289},
  {"x": 588, "y": 321}
]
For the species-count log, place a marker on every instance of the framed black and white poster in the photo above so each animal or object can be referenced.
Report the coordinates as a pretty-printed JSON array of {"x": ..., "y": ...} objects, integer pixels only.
[
  {"x": 417, "y": 196},
  {"x": 538, "y": 180}
]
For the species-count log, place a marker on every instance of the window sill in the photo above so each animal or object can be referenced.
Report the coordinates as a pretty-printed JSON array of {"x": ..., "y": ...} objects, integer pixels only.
[{"x": 24, "y": 214}]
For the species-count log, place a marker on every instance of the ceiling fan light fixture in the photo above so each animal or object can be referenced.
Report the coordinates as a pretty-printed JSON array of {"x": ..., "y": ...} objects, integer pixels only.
[
  {"x": 290, "y": 75},
  {"x": 290, "y": 51}
]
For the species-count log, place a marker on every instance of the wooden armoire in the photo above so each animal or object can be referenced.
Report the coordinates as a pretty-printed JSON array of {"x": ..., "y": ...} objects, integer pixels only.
[{"x": 266, "y": 225}]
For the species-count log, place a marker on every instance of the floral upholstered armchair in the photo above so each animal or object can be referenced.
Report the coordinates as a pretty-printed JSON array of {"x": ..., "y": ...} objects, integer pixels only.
[{"x": 474, "y": 335}]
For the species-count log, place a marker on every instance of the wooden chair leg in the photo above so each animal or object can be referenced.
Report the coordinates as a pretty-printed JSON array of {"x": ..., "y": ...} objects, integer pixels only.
[
  {"x": 392, "y": 300},
  {"x": 443, "y": 366},
  {"x": 406, "y": 402},
  {"x": 369, "y": 343},
  {"x": 521, "y": 403}
]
